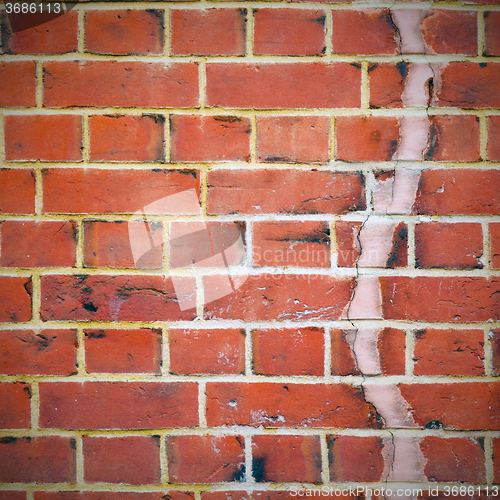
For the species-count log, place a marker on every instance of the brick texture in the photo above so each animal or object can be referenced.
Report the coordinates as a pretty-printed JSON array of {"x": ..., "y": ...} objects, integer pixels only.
[{"x": 249, "y": 250}]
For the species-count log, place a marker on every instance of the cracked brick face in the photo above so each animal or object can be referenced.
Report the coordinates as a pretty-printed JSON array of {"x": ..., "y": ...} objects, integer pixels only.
[{"x": 249, "y": 247}]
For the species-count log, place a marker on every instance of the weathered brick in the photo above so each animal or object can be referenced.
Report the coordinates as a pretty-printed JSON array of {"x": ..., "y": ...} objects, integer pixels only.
[
  {"x": 389, "y": 346},
  {"x": 123, "y": 351},
  {"x": 112, "y": 495},
  {"x": 286, "y": 459},
  {"x": 54, "y": 456},
  {"x": 287, "y": 405},
  {"x": 205, "y": 459},
  {"x": 363, "y": 32},
  {"x": 127, "y": 138},
  {"x": 38, "y": 244},
  {"x": 496, "y": 459},
  {"x": 473, "y": 405},
  {"x": 346, "y": 237},
  {"x": 123, "y": 32},
  {"x": 387, "y": 84},
  {"x": 494, "y": 245},
  {"x": 117, "y": 298},
  {"x": 206, "y": 351},
  {"x": 12, "y": 495},
  {"x": 17, "y": 195},
  {"x": 449, "y": 352},
  {"x": 127, "y": 459},
  {"x": 439, "y": 299},
  {"x": 17, "y": 84},
  {"x": 494, "y": 336},
  {"x": 58, "y": 36},
  {"x": 294, "y": 191},
  {"x": 206, "y": 244},
  {"x": 208, "y": 32},
  {"x": 15, "y": 299},
  {"x": 290, "y": 32},
  {"x": 71, "y": 190},
  {"x": 15, "y": 412},
  {"x": 366, "y": 138},
  {"x": 116, "y": 83},
  {"x": 43, "y": 137},
  {"x": 354, "y": 458},
  {"x": 469, "y": 85},
  {"x": 293, "y": 139},
  {"x": 492, "y": 33},
  {"x": 288, "y": 351},
  {"x": 493, "y": 138},
  {"x": 49, "y": 352},
  {"x": 109, "y": 244},
  {"x": 464, "y": 191},
  {"x": 267, "y": 296},
  {"x": 448, "y": 245},
  {"x": 301, "y": 244},
  {"x": 209, "y": 138},
  {"x": 118, "y": 405},
  {"x": 283, "y": 85}
]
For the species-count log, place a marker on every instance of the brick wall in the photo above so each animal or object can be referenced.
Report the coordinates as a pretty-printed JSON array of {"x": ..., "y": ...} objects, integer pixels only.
[{"x": 250, "y": 246}]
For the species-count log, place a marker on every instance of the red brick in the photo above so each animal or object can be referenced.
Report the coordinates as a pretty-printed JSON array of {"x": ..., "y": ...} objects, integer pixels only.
[
  {"x": 493, "y": 138},
  {"x": 450, "y": 32},
  {"x": 390, "y": 349},
  {"x": 15, "y": 299},
  {"x": 472, "y": 405},
  {"x": 366, "y": 138},
  {"x": 348, "y": 245},
  {"x": 492, "y": 33},
  {"x": 287, "y": 405},
  {"x": 294, "y": 191},
  {"x": 354, "y": 458},
  {"x": 449, "y": 352},
  {"x": 206, "y": 244},
  {"x": 123, "y": 351},
  {"x": 43, "y": 137},
  {"x": 453, "y": 459},
  {"x": 108, "y": 244},
  {"x": 346, "y": 233},
  {"x": 210, "y": 32},
  {"x": 297, "y": 243},
  {"x": 207, "y": 351},
  {"x": 209, "y": 138},
  {"x": 127, "y": 459},
  {"x": 54, "y": 456},
  {"x": 446, "y": 138},
  {"x": 118, "y": 405},
  {"x": 494, "y": 336},
  {"x": 441, "y": 298},
  {"x": 283, "y": 85},
  {"x": 111, "y": 495},
  {"x": 127, "y": 138},
  {"x": 17, "y": 84},
  {"x": 494, "y": 245},
  {"x": 71, "y": 190},
  {"x": 15, "y": 412},
  {"x": 58, "y": 36},
  {"x": 363, "y": 32},
  {"x": 275, "y": 495},
  {"x": 226, "y": 495},
  {"x": 12, "y": 495},
  {"x": 448, "y": 245},
  {"x": 205, "y": 459},
  {"x": 387, "y": 84},
  {"x": 123, "y": 32},
  {"x": 37, "y": 243},
  {"x": 288, "y": 351},
  {"x": 469, "y": 85},
  {"x": 463, "y": 191},
  {"x": 50, "y": 352},
  {"x": 17, "y": 195},
  {"x": 496, "y": 459},
  {"x": 290, "y": 32},
  {"x": 117, "y": 298},
  {"x": 116, "y": 83},
  {"x": 269, "y": 297},
  {"x": 293, "y": 139},
  {"x": 286, "y": 459}
]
